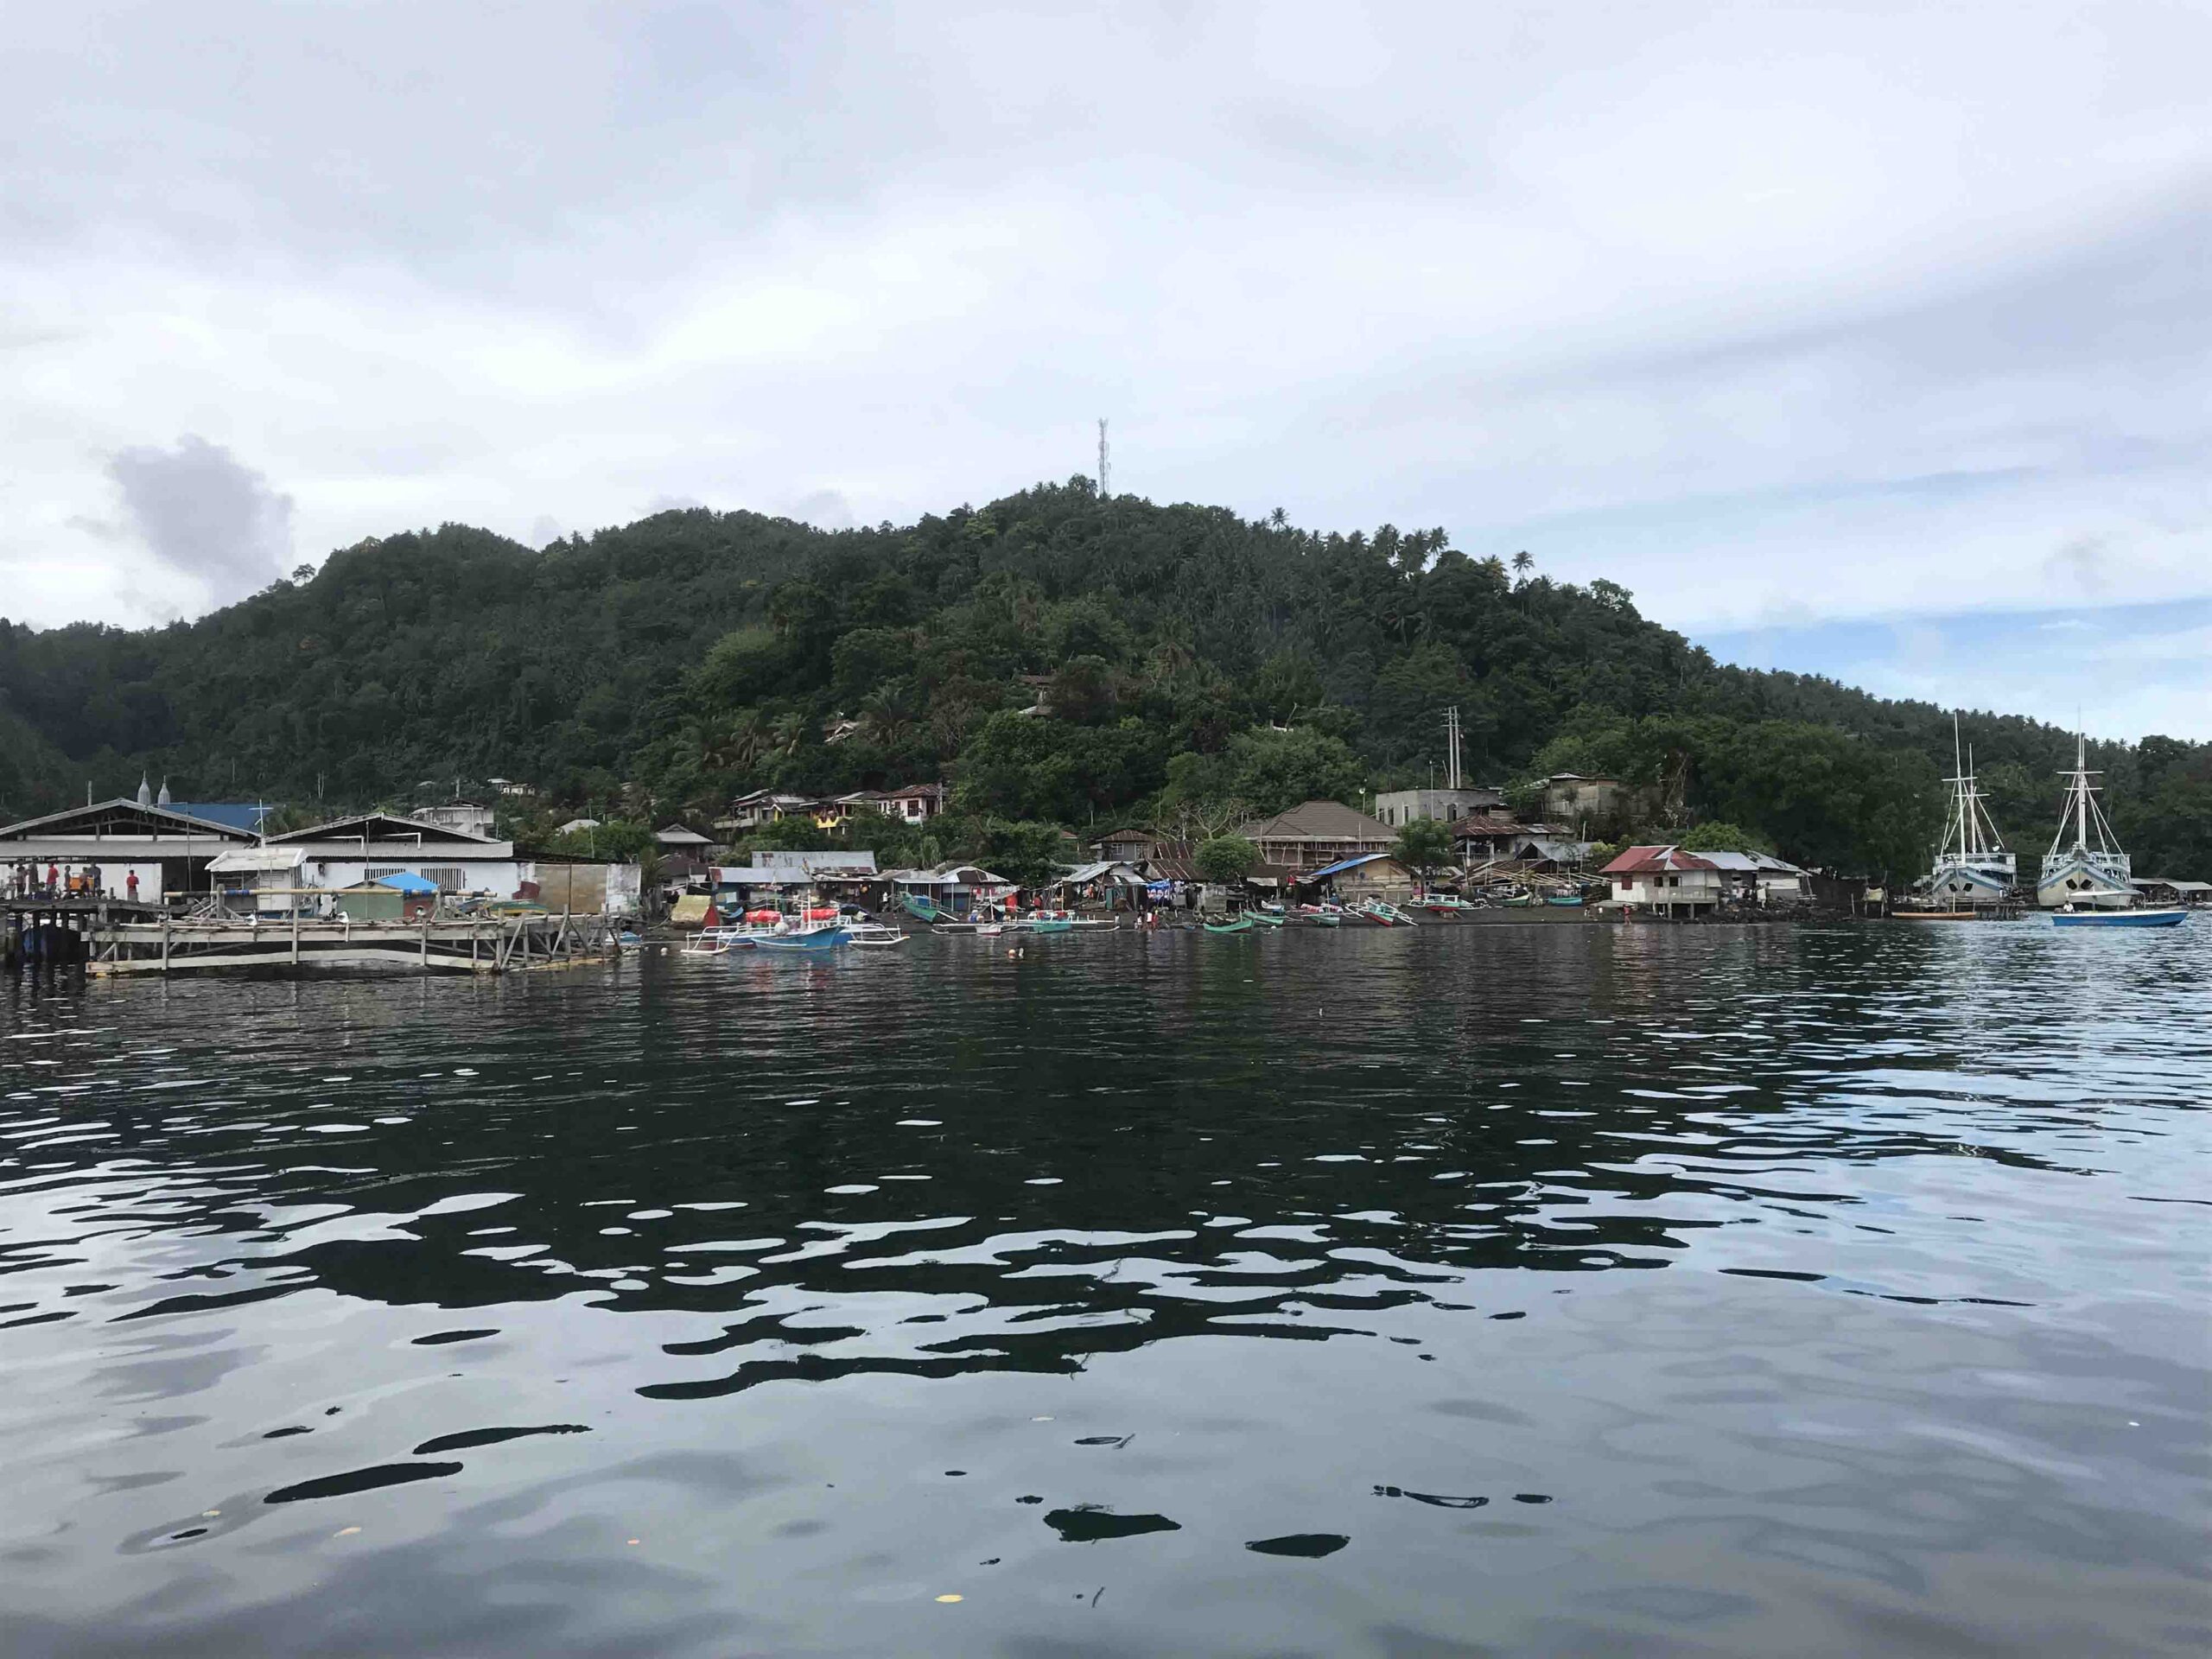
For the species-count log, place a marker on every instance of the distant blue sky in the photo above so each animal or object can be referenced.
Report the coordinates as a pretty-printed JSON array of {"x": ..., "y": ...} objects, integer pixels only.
[
  {"x": 2122, "y": 670},
  {"x": 1864, "y": 335}
]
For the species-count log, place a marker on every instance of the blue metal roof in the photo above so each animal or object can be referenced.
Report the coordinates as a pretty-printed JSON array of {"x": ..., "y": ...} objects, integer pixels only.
[
  {"x": 239, "y": 814},
  {"x": 1342, "y": 865}
]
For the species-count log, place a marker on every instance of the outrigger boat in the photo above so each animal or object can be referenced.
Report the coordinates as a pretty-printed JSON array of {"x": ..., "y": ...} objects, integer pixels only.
[
  {"x": 1442, "y": 904},
  {"x": 2091, "y": 883},
  {"x": 1562, "y": 898},
  {"x": 1386, "y": 915},
  {"x": 1239, "y": 923},
  {"x": 874, "y": 935}
]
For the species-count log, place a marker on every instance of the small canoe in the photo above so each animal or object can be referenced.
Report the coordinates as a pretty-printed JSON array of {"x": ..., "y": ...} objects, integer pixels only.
[
  {"x": 921, "y": 909},
  {"x": 2169, "y": 916},
  {"x": 1049, "y": 925},
  {"x": 1562, "y": 898},
  {"x": 1239, "y": 924},
  {"x": 1261, "y": 918}
]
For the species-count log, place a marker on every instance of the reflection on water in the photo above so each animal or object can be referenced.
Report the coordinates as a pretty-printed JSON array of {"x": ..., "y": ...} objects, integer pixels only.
[{"x": 1560, "y": 1289}]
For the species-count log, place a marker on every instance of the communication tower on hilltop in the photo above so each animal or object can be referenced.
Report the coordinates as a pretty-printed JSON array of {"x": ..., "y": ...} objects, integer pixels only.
[{"x": 1103, "y": 489}]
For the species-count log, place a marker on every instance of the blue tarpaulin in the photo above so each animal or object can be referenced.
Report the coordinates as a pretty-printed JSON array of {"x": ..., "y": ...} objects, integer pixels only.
[{"x": 407, "y": 881}]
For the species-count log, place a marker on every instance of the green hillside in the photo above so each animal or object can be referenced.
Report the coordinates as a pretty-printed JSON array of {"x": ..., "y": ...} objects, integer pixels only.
[{"x": 1181, "y": 660}]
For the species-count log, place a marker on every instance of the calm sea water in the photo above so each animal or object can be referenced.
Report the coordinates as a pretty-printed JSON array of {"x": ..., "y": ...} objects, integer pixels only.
[{"x": 1535, "y": 1290}]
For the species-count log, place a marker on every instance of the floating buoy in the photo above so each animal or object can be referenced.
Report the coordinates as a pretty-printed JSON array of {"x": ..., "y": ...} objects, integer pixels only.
[{"x": 951, "y": 1598}]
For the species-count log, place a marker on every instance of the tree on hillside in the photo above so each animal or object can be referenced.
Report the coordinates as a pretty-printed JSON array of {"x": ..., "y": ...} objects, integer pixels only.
[
  {"x": 1225, "y": 861},
  {"x": 1424, "y": 847},
  {"x": 1717, "y": 836}
]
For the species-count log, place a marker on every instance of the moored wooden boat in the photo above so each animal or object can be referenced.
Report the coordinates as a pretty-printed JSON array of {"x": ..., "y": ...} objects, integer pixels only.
[
  {"x": 1234, "y": 924},
  {"x": 2161, "y": 916}
]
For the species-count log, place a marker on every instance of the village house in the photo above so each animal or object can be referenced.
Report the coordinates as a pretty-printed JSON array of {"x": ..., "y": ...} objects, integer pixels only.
[
  {"x": 471, "y": 818},
  {"x": 915, "y": 804},
  {"x": 1487, "y": 839},
  {"x": 1760, "y": 878},
  {"x": 1371, "y": 875},
  {"x": 1665, "y": 880},
  {"x": 1400, "y": 807},
  {"x": 1573, "y": 798},
  {"x": 1315, "y": 834}
]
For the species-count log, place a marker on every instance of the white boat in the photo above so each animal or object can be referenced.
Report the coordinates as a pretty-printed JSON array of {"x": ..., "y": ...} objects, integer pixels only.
[
  {"x": 875, "y": 936},
  {"x": 1972, "y": 869},
  {"x": 2085, "y": 869}
]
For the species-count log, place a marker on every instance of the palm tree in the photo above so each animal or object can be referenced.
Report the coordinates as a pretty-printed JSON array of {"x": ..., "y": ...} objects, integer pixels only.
[{"x": 1522, "y": 564}]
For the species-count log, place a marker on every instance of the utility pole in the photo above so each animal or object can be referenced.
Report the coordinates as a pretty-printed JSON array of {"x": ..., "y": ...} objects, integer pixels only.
[
  {"x": 1452, "y": 748},
  {"x": 1104, "y": 488}
]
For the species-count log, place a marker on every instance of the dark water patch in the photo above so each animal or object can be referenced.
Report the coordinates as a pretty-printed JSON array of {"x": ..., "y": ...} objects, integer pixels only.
[
  {"x": 475, "y": 1437},
  {"x": 1312, "y": 1546},
  {"x": 1092, "y": 1523},
  {"x": 361, "y": 1480}
]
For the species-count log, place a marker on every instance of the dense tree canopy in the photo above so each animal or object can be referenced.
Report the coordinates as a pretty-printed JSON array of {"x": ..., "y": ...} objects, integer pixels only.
[{"x": 1059, "y": 660}]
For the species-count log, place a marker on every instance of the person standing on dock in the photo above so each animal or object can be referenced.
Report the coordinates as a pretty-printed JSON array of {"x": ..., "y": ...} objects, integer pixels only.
[
  {"x": 130, "y": 886},
  {"x": 52, "y": 880}
]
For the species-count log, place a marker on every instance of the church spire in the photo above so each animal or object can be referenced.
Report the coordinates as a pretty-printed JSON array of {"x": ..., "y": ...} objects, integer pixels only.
[
  {"x": 162, "y": 799},
  {"x": 145, "y": 791}
]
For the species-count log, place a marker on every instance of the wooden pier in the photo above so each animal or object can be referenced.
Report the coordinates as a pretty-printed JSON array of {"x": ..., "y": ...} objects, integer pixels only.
[{"x": 465, "y": 945}]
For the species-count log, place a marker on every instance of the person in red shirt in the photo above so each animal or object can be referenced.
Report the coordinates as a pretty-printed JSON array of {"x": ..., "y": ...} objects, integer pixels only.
[
  {"x": 130, "y": 886},
  {"x": 52, "y": 879}
]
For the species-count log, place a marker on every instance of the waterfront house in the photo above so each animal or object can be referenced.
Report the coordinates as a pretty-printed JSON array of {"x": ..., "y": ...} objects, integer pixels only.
[
  {"x": 345, "y": 852},
  {"x": 1315, "y": 834},
  {"x": 1371, "y": 875},
  {"x": 764, "y": 806},
  {"x": 166, "y": 847},
  {"x": 2173, "y": 890},
  {"x": 1760, "y": 878},
  {"x": 1107, "y": 882},
  {"x": 1665, "y": 880},
  {"x": 1400, "y": 807},
  {"x": 1487, "y": 839}
]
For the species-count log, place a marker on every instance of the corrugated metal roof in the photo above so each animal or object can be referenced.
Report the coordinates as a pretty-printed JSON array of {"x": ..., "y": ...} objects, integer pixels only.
[{"x": 1344, "y": 864}]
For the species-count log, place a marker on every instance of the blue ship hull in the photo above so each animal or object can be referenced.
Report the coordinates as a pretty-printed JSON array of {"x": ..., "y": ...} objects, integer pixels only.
[{"x": 2120, "y": 918}]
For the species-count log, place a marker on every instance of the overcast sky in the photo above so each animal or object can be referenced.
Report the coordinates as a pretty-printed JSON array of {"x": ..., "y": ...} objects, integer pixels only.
[{"x": 1831, "y": 332}]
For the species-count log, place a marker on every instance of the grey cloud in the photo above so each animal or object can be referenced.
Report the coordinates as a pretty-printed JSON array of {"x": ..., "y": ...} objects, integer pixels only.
[
  {"x": 824, "y": 510},
  {"x": 2080, "y": 560},
  {"x": 202, "y": 512}
]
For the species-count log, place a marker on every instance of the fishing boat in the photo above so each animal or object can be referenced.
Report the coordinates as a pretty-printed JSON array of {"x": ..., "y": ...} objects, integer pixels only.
[
  {"x": 1442, "y": 904},
  {"x": 1241, "y": 923},
  {"x": 1093, "y": 923},
  {"x": 875, "y": 936},
  {"x": 1043, "y": 925},
  {"x": 1563, "y": 899},
  {"x": 2160, "y": 916},
  {"x": 805, "y": 941},
  {"x": 1520, "y": 900},
  {"x": 1385, "y": 915},
  {"x": 922, "y": 909},
  {"x": 1973, "y": 876},
  {"x": 1263, "y": 918},
  {"x": 2085, "y": 869}
]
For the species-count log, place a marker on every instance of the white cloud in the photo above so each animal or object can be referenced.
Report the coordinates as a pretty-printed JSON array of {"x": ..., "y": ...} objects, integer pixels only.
[{"x": 1765, "y": 314}]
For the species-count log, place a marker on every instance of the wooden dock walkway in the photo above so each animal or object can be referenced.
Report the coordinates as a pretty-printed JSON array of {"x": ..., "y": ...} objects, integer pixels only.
[{"x": 114, "y": 939}]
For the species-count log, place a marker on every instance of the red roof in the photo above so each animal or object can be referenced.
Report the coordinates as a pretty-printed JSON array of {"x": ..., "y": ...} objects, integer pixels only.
[{"x": 1638, "y": 859}]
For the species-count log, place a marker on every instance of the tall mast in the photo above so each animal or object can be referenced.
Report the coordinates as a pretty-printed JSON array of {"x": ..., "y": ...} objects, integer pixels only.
[{"x": 2080, "y": 789}]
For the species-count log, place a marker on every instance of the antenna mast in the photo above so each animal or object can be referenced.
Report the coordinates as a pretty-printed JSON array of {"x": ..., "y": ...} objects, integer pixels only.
[
  {"x": 1452, "y": 748},
  {"x": 1103, "y": 490}
]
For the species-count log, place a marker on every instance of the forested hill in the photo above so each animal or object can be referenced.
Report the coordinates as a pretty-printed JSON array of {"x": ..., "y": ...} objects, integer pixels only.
[{"x": 1055, "y": 656}]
